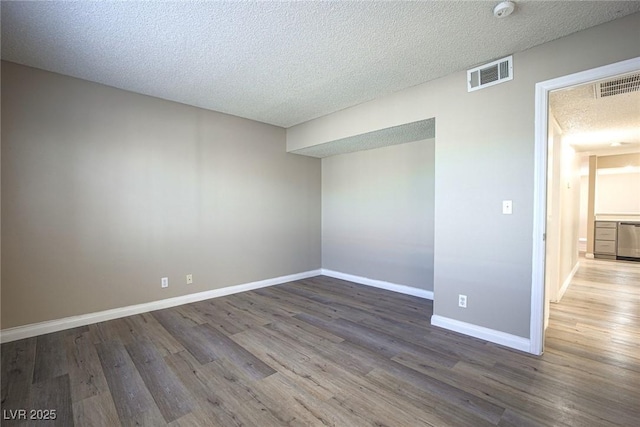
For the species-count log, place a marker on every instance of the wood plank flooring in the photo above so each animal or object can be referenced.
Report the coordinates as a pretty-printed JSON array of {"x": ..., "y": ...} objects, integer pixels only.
[{"x": 325, "y": 352}]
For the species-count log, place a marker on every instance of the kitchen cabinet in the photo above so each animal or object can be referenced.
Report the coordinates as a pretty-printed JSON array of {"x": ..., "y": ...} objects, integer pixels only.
[{"x": 606, "y": 236}]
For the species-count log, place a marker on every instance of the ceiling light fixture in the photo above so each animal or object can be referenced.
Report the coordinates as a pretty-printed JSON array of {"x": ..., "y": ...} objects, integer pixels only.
[
  {"x": 616, "y": 144},
  {"x": 604, "y": 137},
  {"x": 504, "y": 9}
]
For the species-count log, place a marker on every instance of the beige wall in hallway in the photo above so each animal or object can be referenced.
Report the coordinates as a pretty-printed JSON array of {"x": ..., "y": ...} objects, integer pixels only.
[
  {"x": 106, "y": 191},
  {"x": 617, "y": 191}
]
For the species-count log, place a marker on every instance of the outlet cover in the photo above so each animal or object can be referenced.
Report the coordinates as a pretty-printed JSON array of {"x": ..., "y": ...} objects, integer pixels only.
[
  {"x": 189, "y": 279},
  {"x": 164, "y": 282},
  {"x": 462, "y": 301}
]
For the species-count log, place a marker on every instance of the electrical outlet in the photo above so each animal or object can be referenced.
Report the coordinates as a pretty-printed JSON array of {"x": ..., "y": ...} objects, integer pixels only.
[
  {"x": 189, "y": 279},
  {"x": 462, "y": 301},
  {"x": 164, "y": 282}
]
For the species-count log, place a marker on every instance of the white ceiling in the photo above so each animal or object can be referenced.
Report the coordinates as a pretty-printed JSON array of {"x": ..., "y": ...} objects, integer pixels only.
[
  {"x": 280, "y": 62},
  {"x": 591, "y": 124}
]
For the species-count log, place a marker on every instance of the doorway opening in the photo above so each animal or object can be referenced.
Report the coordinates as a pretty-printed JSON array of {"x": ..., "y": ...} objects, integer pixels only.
[
  {"x": 542, "y": 123},
  {"x": 593, "y": 173}
]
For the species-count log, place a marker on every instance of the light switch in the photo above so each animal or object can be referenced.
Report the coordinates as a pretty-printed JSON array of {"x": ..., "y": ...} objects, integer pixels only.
[{"x": 507, "y": 207}]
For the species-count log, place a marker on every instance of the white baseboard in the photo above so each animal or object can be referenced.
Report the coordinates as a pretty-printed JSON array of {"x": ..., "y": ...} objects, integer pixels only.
[
  {"x": 502, "y": 338},
  {"x": 35, "y": 329},
  {"x": 567, "y": 281},
  {"x": 403, "y": 289}
]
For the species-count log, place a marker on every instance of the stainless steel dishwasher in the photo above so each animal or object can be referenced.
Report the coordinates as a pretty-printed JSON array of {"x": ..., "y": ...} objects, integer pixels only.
[{"x": 629, "y": 240}]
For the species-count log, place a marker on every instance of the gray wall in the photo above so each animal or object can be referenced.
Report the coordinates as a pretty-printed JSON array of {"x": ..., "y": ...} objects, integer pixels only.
[
  {"x": 105, "y": 191},
  {"x": 484, "y": 154},
  {"x": 377, "y": 213}
]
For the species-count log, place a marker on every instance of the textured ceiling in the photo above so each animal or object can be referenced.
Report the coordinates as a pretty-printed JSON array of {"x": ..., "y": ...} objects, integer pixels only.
[
  {"x": 592, "y": 124},
  {"x": 416, "y": 131},
  {"x": 279, "y": 62}
]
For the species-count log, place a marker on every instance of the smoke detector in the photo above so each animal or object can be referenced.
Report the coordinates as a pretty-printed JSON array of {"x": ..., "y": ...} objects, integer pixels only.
[{"x": 504, "y": 9}]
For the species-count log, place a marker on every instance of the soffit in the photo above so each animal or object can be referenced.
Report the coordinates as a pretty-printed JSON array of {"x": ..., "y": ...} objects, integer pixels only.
[{"x": 409, "y": 132}]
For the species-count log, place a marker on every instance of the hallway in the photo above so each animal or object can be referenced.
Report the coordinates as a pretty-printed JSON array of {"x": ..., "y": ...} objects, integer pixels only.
[
  {"x": 594, "y": 332},
  {"x": 600, "y": 310}
]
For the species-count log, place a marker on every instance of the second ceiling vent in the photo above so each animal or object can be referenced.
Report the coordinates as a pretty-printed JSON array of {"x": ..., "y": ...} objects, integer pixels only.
[
  {"x": 618, "y": 86},
  {"x": 490, "y": 74}
]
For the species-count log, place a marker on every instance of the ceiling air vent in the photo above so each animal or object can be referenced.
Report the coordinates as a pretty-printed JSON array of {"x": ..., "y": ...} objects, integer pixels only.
[
  {"x": 618, "y": 86},
  {"x": 490, "y": 74}
]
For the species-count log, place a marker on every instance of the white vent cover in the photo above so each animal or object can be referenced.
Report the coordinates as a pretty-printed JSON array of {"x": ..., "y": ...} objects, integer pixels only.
[
  {"x": 490, "y": 74},
  {"x": 625, "y": 84}
]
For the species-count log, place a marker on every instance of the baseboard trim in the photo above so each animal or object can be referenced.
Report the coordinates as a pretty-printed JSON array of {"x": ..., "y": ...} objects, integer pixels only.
[
  {"x": 567, "y": 281},
  {"x": 403, "y": 289},
  {"x": 502, "y": 338},
  {"x": 35, "y": 329}
]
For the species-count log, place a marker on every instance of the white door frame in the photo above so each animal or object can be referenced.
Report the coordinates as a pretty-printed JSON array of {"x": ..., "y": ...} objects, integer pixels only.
[{"x": 540, "y": 183}]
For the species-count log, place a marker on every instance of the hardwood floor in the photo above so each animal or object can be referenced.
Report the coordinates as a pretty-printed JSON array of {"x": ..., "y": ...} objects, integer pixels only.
[{"x": 325, "y": 352}]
